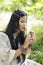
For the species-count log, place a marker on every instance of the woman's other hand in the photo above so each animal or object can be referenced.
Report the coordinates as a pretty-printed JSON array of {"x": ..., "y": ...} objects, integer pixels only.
[{"x": 29, "y": 39}]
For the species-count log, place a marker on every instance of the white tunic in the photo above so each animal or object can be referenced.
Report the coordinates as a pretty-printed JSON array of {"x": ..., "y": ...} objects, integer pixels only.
[{"x": 7, "y": 54}]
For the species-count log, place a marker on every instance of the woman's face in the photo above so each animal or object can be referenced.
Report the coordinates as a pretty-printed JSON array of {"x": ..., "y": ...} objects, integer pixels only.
[{"x": 22, "y": 23}]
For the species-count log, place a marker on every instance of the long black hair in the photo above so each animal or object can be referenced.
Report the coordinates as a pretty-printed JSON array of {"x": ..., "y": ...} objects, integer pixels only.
[{"x": 14, "y": 25}]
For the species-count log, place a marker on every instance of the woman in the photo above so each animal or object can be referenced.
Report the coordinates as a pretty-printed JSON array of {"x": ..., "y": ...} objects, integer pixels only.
[{"x": 15, "y": 46}]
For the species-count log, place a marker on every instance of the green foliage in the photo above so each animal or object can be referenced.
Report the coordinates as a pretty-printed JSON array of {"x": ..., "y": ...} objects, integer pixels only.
[
  {"x": 30, "y": 6},
  {"x": 37, "y": 48},
  {"x": 37, "y": 56},
  {"x": 34, "y": 1},
  {"x": 39, "y": 37}
]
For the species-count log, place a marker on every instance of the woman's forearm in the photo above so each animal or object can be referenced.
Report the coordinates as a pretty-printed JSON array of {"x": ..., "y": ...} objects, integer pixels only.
[
  {"x": 19, "y": 51},
  {"x": 28, "y": 52}
]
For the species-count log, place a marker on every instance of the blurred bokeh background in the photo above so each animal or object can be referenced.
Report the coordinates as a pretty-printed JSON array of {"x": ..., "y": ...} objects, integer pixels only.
[{"x": 34, "y": 9}]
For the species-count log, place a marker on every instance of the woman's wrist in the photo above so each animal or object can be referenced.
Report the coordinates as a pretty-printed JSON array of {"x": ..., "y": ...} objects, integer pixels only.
[{"x": 23, "y": 49}]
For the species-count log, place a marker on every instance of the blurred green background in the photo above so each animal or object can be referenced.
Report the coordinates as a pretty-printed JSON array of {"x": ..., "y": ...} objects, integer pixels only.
[{"x": 34, "y": 9}]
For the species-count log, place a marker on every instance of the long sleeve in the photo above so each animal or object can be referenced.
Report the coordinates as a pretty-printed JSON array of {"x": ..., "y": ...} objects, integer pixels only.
[{"x": 6, "y": 53}]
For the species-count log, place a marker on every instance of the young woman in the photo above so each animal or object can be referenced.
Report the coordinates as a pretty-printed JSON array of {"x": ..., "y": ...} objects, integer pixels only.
[{"x": 15, "y": 46}]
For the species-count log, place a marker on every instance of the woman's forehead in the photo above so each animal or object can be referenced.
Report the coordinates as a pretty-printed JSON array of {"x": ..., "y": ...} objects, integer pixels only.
[{"x": 23, "y": 18}]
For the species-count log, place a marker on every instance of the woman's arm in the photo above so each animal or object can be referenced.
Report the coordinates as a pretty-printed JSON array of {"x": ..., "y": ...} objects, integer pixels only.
[
  {"x": 20, "y": 51},
  {"x": 29, "y": 40},
  {"x": 24, "y": 50},
  {"x": 28, "y": 52}
]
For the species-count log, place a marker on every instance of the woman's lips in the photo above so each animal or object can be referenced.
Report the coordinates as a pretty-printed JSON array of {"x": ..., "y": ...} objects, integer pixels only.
[
  {"x": 31, "y": 39},
  {"x": 23, "y": 27}
]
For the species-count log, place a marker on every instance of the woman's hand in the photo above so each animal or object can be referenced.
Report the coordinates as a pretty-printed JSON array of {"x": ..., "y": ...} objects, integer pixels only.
[
  {"x": 17, "y": 53},
  {"x": 29, "y": 39}
]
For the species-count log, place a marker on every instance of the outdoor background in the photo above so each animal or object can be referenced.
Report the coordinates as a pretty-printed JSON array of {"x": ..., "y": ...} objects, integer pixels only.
[{"x": 34, "y": 9}]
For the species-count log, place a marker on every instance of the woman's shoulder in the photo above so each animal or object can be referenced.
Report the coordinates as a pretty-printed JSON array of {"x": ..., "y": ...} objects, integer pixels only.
[
  {"x": 3, "y": 34},
  {"x": 4, "y": 39}
]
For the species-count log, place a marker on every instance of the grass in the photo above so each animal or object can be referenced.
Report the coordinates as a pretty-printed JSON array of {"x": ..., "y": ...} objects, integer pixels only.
[{"x": 37, "y": 53}]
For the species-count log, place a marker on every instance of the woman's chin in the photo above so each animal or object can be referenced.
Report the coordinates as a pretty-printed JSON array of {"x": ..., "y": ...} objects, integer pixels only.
[{"x": 22, "y": 30}]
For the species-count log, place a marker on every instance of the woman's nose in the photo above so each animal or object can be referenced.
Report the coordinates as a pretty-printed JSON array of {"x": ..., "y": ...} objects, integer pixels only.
[{"x": 24, "y": 24}]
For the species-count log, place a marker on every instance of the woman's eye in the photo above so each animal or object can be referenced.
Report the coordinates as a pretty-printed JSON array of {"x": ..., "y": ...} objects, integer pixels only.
[{"x": 21, "y": 21}]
